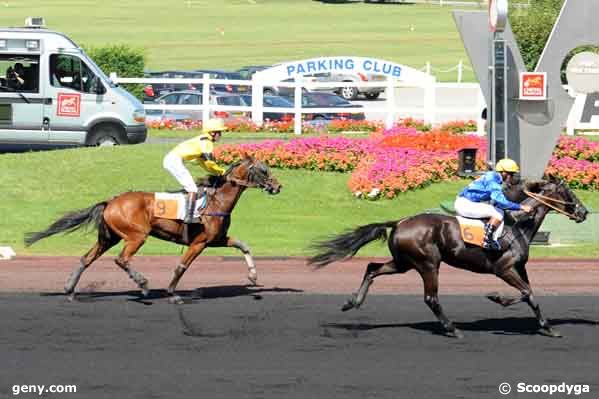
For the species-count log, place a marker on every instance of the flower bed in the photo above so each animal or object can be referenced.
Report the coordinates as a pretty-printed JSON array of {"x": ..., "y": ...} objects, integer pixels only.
[
  {"x": 244, "y": 125},
  {"x": 384, "y": 164},
  {"x": 576, "y": 161},
  {"x": 402, "y": 158}
]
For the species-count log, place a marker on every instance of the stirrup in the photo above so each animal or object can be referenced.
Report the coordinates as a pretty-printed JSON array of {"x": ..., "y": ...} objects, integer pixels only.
[
  {"x": 492, "y": 245},
  {"x": 191, "y": 204}
]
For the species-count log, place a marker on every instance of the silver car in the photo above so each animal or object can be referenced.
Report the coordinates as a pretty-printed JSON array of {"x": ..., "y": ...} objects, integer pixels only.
[{"x": 347, "y": 90}]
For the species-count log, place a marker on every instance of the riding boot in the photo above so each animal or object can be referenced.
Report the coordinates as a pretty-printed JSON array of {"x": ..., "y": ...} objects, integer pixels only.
[
  {"x": 191, "y": 204},
  {"x": 489, "y": 243}
]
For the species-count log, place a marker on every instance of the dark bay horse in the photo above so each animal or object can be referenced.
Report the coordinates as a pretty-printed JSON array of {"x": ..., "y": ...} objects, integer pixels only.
[
  {"x": 423, "y": 241},
  {"x": 130, "y": 217}
]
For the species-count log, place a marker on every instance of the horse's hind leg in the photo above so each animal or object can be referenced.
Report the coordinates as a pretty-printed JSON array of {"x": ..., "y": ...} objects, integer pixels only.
[
  {"x": 513, "y": 278},
  {"x": 132, "y": 245},
  {"x": 94, "y": 253},
  {"x": 372, "y": 270},
  {"x": 431, "y": 298}
]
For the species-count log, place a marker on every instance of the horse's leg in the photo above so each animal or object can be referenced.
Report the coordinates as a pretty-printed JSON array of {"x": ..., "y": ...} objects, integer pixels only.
[
  {"x": 249, "y": 260},
  {"x": 509, "y": 301},
  {"x": 94, "y": 253},
  {"x": 513, "y": 278},
  {"x": 192, "y": 252},
  {"x": 372, "y": 270},
  {"x": 431, "y": 298},
  {"x": 132, "y": 245}
]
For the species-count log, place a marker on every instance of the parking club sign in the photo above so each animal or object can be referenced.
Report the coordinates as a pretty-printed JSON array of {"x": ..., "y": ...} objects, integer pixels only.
[{"x": 533, "y": 85}]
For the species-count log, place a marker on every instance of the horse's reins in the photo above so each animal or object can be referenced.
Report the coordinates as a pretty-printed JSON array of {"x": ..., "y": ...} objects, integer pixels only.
[
  {"x": 543, "y": 199},
  {"x": 244, "y": 183}
]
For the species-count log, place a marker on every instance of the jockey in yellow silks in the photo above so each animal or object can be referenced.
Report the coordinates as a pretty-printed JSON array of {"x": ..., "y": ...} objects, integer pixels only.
[{"x": 197, "y": 150}]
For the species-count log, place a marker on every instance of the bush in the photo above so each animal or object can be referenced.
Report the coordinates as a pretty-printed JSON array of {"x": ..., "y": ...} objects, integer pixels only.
[
  {"x": 125, "y": 60},
  {"x": 532, "y": 27}
]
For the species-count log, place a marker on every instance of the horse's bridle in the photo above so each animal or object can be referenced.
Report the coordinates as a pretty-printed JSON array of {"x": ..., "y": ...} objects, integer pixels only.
[
  {"x": 245, "y": 183},
  {"x": 549, "y": 201}
]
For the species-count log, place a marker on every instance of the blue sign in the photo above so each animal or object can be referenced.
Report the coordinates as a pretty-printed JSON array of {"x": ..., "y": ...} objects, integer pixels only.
[{"x": 343, "y": 64}]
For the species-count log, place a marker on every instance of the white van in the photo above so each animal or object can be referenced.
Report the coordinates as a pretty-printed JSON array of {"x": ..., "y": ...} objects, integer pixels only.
[{"x": 53, "y": 95}]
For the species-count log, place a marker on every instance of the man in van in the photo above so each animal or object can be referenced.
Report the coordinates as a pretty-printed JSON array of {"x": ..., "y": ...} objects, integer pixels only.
[{"x": 197, "y": 150}]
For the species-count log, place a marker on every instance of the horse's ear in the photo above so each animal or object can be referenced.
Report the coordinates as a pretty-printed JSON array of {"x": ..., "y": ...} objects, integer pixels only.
[
  {"x": 554, "y": 179},
  {"x": 534, "y": 185}
]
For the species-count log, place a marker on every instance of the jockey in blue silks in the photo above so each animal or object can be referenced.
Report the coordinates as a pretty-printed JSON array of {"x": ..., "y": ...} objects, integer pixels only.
[{"x": 484, "y": 198}]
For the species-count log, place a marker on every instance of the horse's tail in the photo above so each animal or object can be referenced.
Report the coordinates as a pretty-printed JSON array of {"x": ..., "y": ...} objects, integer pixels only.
[
  {"x": 72, "y": 221},
  {"x": 347, "y": 244}
]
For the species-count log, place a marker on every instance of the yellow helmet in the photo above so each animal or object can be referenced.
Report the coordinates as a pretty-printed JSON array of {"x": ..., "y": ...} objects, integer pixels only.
[
  {"x": 507, "y": 165},
  {"x": 214, "y": 125}
]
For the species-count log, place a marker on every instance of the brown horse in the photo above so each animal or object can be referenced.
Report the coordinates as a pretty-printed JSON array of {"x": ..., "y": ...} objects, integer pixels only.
[
  {"x": 423, "y": 241},
  {"x": 130, "y": 217}
]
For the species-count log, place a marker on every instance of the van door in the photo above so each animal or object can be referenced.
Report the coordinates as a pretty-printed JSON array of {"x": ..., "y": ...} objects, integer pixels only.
[
  {"x": 74, "y": 101},
  {"x": 21, "y": 103}
]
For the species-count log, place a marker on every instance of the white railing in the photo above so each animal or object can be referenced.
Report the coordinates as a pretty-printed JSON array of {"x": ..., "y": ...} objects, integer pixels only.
[{"x": 402, "y": 100}]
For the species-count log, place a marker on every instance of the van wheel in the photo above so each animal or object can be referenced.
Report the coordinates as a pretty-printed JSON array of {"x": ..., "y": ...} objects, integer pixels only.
[
  {"x": 104, "y": 136},
  {"x": 349, "y": 93},
  {"x": 106, "y": 141},
  {"x": 372, "y": 96}
]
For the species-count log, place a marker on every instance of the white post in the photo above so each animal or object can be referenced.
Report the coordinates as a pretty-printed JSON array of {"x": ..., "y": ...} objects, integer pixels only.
[
  {"x": 460, "y": 70},
  {"x": 297, "y": 106},
  {"x": 205, "y": 98},
  {"x": 113, "y": 77},
  {"x": 390, "y": 119},
  {"x": 429, "y": 102},
  {"x": 428, "y": 67},
  {"x": 257, "y": 100}
]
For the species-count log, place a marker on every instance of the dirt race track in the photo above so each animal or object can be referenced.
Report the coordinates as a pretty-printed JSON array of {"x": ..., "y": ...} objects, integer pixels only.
[{"x": 287, "y": 337}]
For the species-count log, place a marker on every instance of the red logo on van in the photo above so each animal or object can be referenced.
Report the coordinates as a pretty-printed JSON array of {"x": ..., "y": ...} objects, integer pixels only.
[{"x": 69, "y": 104}]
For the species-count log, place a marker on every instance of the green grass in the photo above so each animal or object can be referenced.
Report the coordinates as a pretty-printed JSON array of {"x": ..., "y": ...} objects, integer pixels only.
[
  {"x": 40, "y": 187},
  {"x": 187, "y": 34}
]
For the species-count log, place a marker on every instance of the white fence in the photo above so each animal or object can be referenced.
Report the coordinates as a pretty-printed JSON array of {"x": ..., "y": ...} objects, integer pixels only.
[{"x": 434, "y": 102}]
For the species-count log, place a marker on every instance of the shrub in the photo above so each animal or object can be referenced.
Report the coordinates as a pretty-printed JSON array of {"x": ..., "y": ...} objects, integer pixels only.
[{"x": 125, "y": 60}]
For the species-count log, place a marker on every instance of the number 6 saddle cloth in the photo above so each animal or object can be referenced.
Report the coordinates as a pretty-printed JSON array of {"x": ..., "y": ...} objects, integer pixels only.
[
  {"x": 172, "y": 205},
  {"x": 473, "y": 230}
]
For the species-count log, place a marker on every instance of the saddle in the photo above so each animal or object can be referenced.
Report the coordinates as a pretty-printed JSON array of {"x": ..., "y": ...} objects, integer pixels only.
[
  {"x": 173, "y": 205},
  {"x": 473, "y": 230}
]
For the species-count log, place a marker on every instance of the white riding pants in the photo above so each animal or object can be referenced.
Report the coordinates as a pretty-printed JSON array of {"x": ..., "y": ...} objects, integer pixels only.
[
  {"x": 174, "y": 164},
  {"x": 476, "y": 210}
]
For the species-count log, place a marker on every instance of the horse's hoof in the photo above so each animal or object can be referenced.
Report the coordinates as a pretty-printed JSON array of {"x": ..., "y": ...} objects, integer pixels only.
[
  {"x": 494, "y": 297},
  {"x": 348, "y": 305},
  {"x": 145, "y": 290},
  {"x": 253, "y": 278},
  {"x": 550, "y": 332},
  {"x": 455, "y": 334},
  {"x": 176, "y": 300}
]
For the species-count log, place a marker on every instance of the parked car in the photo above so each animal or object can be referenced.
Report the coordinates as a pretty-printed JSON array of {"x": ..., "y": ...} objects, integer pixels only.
[
  {"x": 248, "y": 71},
  {"x": 347, "y": 91},
  {"x": 229, "y": 88},
  {"x": 329, "y": 100},
  {"x": 311, "y": 100},
  {"x": 272, "y": 101},
  {"x": 194, "y": 97},
  {"x": 154, "y": 90}
]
